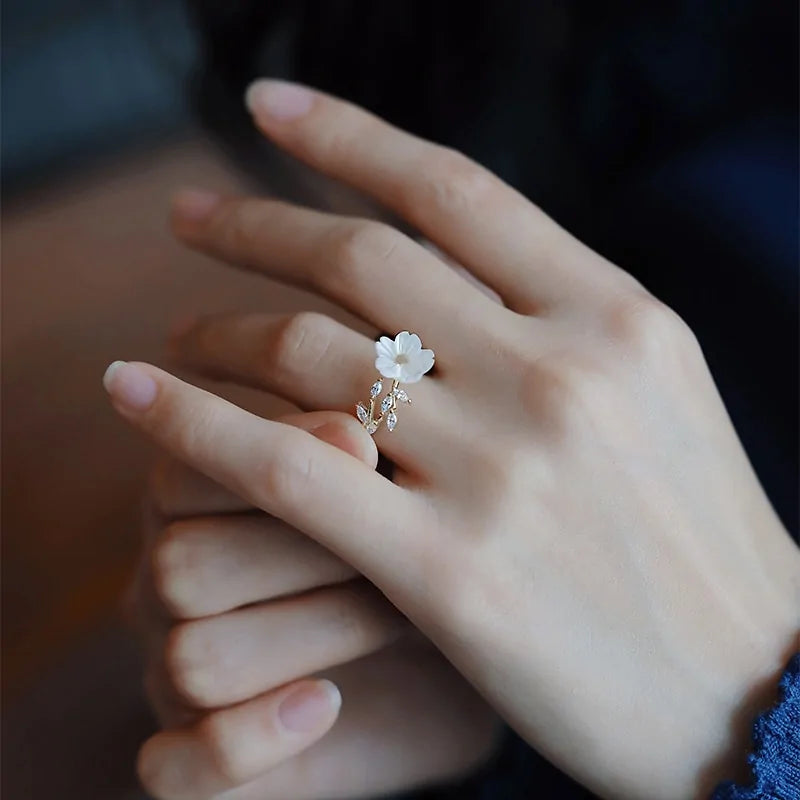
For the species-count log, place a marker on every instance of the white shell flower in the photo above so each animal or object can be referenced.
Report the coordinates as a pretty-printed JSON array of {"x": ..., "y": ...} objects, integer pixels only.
[{"x": 403, "y": 359}]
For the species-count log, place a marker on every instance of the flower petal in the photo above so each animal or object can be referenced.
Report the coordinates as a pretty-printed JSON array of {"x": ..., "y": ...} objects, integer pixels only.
[
  {"x": 387, "y": 367},
  {"x": 413, "y": 344},
  {"x": 385, "y": 347},
  {"x": 401, "y": 342},
  {"x": 418, "y": 364},
  {"x": 425, "y": 358}
]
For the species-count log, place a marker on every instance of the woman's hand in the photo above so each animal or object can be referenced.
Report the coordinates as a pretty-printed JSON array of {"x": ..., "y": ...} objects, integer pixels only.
[
  {"x": 236, "y": 610},
  {"x": 573, "y": 523}
]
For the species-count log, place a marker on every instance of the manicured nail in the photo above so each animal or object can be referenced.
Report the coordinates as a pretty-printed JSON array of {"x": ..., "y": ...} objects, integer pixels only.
[
  {"x": 195, "y": 205},
  {"x": 278, "y": 100},
  {"x": 309, "y": 706},
  {"x": 130, "y": 386}
]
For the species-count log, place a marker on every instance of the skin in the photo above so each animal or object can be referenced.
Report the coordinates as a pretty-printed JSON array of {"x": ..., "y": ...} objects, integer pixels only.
[
  {"x": 573, "y": 522},
  {"x": 207, "y": 555}
]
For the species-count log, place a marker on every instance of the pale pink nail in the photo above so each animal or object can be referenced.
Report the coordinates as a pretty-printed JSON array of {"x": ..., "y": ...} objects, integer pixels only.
[
  {"x": 195, "y": 205},
  {"x": 278, "y": 100},
  {"x": 309, "y": 707},
  {"x": 130, "y": 386}
]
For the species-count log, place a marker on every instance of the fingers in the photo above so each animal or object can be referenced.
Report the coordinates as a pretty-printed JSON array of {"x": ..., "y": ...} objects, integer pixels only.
[
  {"x": 367, "y": 267},
  {"x": 235, "y": 745},
  {"x": 295, "y": 355},
  {"x": 210, "y": 565},
  {"x": 282, "y": 470},
  {"x": 224, "y": 659},
  {"x": 307, "y": 358},
  {"x": 177, "y": 490},
  {"x": 312, "y": 361},
  {"x": 466, "y": 210}
]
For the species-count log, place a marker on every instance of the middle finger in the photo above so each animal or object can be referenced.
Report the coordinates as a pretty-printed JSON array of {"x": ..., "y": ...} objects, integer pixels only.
[{"x": 367, "y": 267}]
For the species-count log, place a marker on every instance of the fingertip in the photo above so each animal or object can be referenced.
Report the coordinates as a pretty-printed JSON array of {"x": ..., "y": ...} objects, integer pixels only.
[
  {"x": 278, "y": 101},
  {"x": 348, "y": 435},
  {"x": 131, "y": 388},
  {"x": 190, "y": 206},
  {"x": 311, "y": 707},
  {"x": 341, "y": 430}
]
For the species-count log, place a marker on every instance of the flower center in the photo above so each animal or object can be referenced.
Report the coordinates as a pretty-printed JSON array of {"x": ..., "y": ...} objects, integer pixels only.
[{"x": 401, "y": 358}]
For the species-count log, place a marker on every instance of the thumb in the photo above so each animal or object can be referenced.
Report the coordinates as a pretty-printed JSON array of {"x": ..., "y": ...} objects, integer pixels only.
[{"x": 341, "y": 430}]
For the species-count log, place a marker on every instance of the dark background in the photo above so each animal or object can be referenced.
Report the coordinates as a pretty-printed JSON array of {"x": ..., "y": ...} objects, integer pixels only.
[{"x": 663, "y": 134}]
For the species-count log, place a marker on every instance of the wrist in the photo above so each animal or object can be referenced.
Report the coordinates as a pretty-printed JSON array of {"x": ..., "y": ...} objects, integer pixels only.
[{"x": 770, "y": 636}]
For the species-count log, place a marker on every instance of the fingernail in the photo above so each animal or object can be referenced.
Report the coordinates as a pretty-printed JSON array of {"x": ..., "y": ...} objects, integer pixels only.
[
  {"x": 307, "y": 708},
  {"x": 327, "y": 431},
  {"x": 130, "y": 386},
  {"x": 195, "y": 205},
  {"x": 278, "y": 99}
]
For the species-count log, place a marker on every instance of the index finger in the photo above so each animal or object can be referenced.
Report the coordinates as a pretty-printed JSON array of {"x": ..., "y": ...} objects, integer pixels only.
[
  {"x": 490, "y": 228},
  {"x": 310, "y": 484}
]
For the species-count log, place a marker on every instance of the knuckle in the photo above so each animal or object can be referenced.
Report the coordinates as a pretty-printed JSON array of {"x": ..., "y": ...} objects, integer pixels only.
[
  {"x": 218, "y": 733},
  {"x": 174, "y": 569},
  {"x": 647, "y": 325},
  {"x": 235, "y": 228},
  {"x": 561, "y": 391},
  {"x": 192, "y": 433},
  {"x": 281, "y": 481},
  {"x": 148, "y": 769},
  {"x": 190, "y": 662},
  {"x": 453, "y": 182},
  {"x": 299, "y": 344},
  {"x": 497, "y": 467},
  {"x": 348, "y": 131},
  {"x": 355, "y": 251},
  {"x": 353, "y": 617}
]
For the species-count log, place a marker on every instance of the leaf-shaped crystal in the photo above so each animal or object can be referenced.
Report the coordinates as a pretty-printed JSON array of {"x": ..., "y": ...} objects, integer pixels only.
[
  {"x": 362, "y": 414},
  {"x": 386, "y": 403},
  {"x": 401, "y": 395},
  {"x": 391, "y": 421},
  {"x": 376, "y": 389},
  {"x": 372, "y": 427}
]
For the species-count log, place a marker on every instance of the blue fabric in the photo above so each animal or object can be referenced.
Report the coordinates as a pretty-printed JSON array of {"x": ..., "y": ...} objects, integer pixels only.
[{"x": 775, "y": 760}]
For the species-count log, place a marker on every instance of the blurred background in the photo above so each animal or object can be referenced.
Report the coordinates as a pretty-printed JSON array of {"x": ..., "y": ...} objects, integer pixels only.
[{"x": 665, "y": 136}]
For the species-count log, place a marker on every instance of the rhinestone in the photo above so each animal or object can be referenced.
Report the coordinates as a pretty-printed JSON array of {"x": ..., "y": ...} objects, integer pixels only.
[
  {"x": 386, "y": 403},
  {"x": 401, "y": 395},
  {"x": 362, "y": 414},
  {"x": 376, "y": 389},
  {"x": 391, "y": 421},
  {"x": 372, "y": 427}
]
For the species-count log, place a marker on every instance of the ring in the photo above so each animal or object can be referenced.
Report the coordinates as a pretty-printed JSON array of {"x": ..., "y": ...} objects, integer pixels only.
[{"x": 400, "y": 360}]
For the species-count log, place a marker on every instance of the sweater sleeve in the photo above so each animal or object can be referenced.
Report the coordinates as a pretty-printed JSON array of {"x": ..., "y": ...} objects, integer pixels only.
[{"x": 775, "y": 760}]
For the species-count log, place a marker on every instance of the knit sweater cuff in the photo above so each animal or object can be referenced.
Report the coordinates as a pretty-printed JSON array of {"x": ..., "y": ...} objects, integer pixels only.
[{"x": 775, "y": 760}]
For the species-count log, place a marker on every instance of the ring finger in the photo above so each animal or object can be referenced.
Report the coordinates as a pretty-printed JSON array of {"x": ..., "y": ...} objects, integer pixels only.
[{"x": 315, "y": 363}]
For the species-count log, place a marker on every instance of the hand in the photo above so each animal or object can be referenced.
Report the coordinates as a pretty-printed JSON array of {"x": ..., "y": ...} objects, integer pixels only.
[
  {"x": 236, "y": 610},
  {"x": 574, "y": 523}
]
